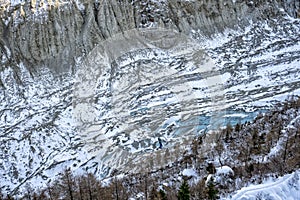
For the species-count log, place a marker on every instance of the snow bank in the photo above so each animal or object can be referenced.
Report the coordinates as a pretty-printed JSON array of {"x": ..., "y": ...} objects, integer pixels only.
[
  {"x": 189, "y": 172},
  {"x": 284, "y": 188},
  {"x": 224, "y": 170}
]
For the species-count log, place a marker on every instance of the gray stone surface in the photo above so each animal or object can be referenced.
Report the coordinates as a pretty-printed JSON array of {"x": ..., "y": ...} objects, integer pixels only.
[{"x": 54, "y": 37}]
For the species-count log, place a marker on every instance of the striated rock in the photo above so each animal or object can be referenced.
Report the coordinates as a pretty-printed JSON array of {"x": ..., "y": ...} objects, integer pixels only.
[{"x": 53, "y": 35}]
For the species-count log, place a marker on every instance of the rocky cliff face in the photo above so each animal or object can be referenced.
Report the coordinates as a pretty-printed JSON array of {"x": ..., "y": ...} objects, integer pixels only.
[
  {"x": 254, "y": 44},
  {"x": 54, "y": 33}
]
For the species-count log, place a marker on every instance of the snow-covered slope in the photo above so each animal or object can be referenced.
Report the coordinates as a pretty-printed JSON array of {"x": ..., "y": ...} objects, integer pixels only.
[
  {"x": 283, "y": 188},
  {"x": 39, "y": 132},
  {"x": 259, "y": 65}
]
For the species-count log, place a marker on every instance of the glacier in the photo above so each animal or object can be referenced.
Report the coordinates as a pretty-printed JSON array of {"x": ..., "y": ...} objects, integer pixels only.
[{"x": 95, "y": 119}]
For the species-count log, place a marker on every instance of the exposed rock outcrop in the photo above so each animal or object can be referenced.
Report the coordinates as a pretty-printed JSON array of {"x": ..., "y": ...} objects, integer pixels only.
[{"x": 53, "y": 34}]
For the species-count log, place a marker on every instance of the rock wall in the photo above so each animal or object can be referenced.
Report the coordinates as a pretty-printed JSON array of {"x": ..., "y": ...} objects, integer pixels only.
[{"x": 53, "y": 34}]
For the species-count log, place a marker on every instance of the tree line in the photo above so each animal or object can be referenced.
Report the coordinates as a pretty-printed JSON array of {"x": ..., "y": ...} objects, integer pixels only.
[{"x": 247, "y": 148}]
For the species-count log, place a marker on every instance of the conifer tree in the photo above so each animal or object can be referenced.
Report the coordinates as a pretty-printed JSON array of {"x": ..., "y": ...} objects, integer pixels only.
[
  {"x": 184, "y": 191},
  {"x": 212, "y": 192},
  {"x": 68, "y": 183},
  {"x": 162, "y": 195}
]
